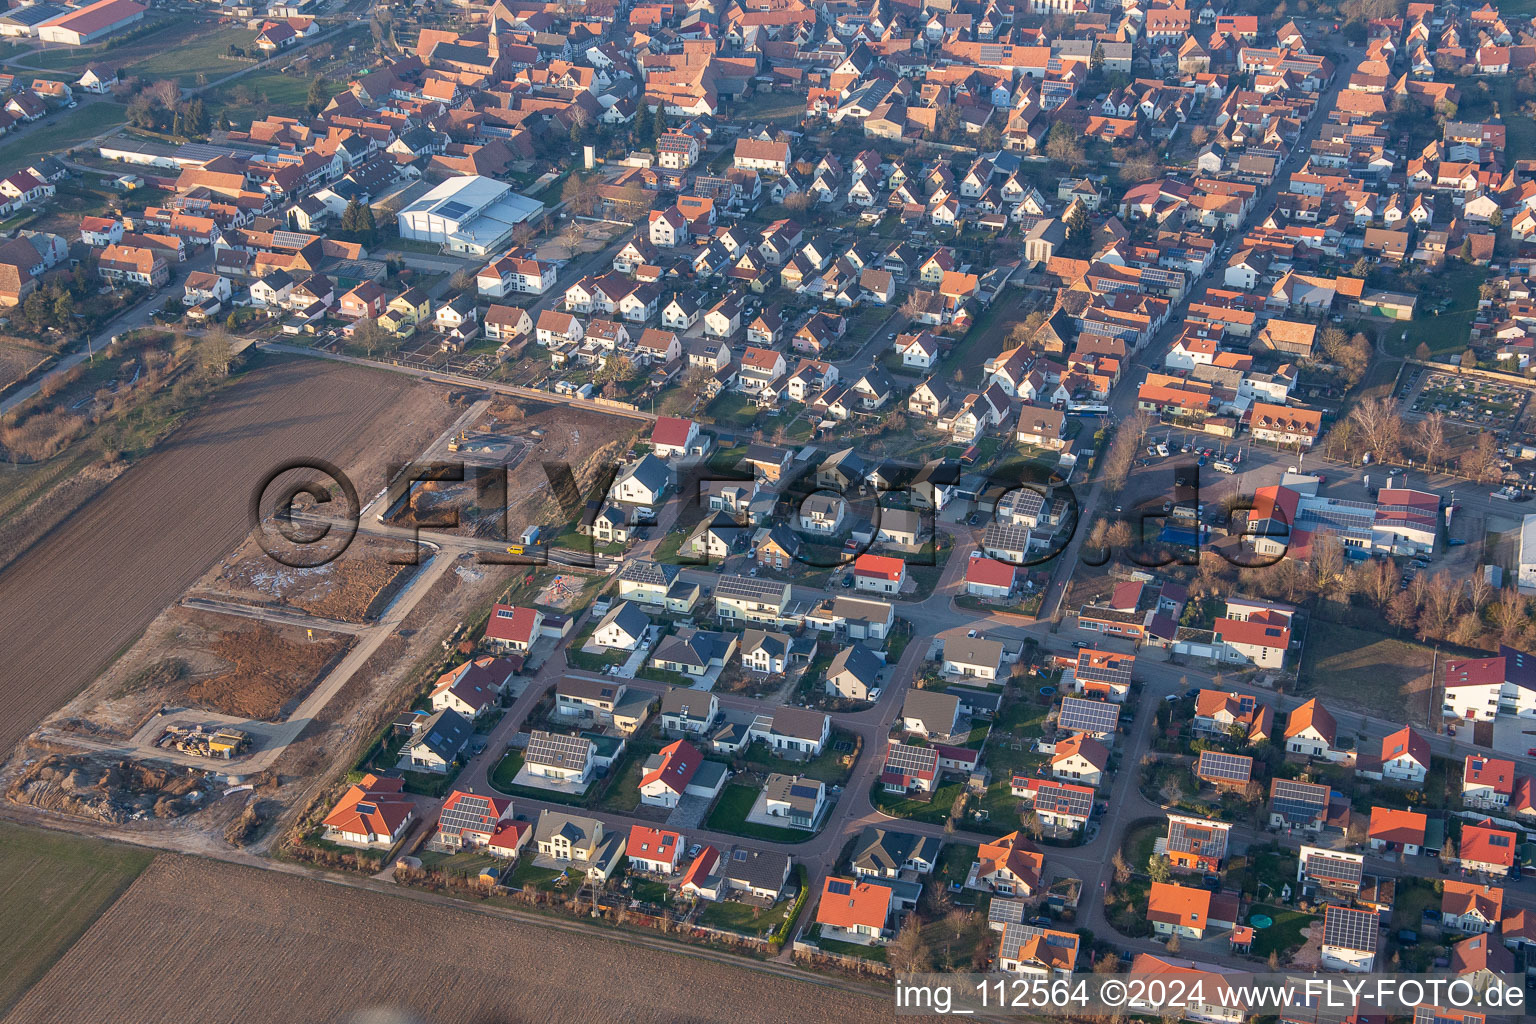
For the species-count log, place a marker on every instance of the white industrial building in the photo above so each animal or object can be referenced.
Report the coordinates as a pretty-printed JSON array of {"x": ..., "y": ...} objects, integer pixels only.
[
  {"x": 471, "y": 214},
  {"x": 1525, "y": 578}
]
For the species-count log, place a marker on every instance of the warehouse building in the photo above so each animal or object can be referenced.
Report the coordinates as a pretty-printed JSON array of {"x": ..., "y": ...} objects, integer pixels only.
[
  {"x": 471, "y": 214},
  {"x": 88, "y": 24}
]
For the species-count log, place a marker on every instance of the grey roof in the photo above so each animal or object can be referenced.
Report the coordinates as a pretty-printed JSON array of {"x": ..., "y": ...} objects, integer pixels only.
[
  {"x": 583, "y": 831},
  {"x": 628, "y": 616},
  {"x": 797, "y": 791},
  {"x": 589, "y": 689},
  {"x": 935, "y": 710},
  {"x": 649, "y": 470},
  {"x": 973, "y": 650},
  {"x": 799, "y": 723},
  {"x": 685, "y": 702},
  {"x": 689, "y": 647},
  {"x": 984, "y": 700},
  {"x": 759, "y": 869},
  {"x": 1005, "y": 537},
  {"x": 445, "y": 734},
  {"x": 776, "y": 644},
  {"x": 903, "y": 520},
  {"x": 857, "y": 661},
  {"x": 878, "y": 850}
]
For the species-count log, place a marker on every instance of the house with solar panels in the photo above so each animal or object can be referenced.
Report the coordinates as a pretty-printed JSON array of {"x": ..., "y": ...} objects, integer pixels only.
[
  {"x": 792, "y": 800},
  {"x": 1330, "y": 874},
  {"x": 910, "y": 768},
  {"x": 471, "y": 821},
  {"x": 1089, "y": 717},
  {"x": 1057, "y": 804},
  {"x": 1224, "y": 771},
  {"x": 1195, "y": 844},
  {"x": 555, "y": 758},
  {"x": 1298, "y": 805},
  {"x": 1350, "y": 938},
  {"x": 852, "y": 910}
]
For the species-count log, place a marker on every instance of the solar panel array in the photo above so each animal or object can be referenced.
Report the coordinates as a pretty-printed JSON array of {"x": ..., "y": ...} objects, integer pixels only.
[
  {"x": 1350, "y": 929},
  {"x": 1297, "y": 801},
  {"x": 1062, "y": 799},
  {"x": 556, "y": 750},
  {"x": 1334, "y": 870},
  {"x": 1005, "y": 911},
  {"x": 468, "y": 811},
  {"x": 909, "y": 759},
  {"x": 838, "y": 887},
  {"x": 1116, "y": 671},
  {"x": 1079, "y": 714},
  {"x": 1218, "y": 766}
]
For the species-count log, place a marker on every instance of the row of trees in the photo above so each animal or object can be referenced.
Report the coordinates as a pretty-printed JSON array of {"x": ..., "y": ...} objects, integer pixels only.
[
  {"x": 1376, "y": 425},
  {"x": 158, "y": 107}
]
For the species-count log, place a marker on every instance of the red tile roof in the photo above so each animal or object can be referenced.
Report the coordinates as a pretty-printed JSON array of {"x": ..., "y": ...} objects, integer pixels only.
[
  {"x": 1483, "y": 844},
  {"x": 846, "y": 903},
  {"x": 879, "y": 567},
  {"x": 679, "y": 761},
  {"x": 671, "y": 430},
  {"x": 1474, "y": 672},
  {"x": 989, "y": 572},
  {"x": 516, "y": 626}
]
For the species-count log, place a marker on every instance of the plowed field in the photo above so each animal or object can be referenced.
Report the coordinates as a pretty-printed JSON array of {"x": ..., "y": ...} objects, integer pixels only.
[
  {"x": 196, "y": 940},
  {"x": 83, "y": 592}
]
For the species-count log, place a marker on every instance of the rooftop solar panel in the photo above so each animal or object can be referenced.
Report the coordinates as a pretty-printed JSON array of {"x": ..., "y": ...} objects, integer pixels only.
[
  {"x": 1325, "y": 867},
  {"x": 1298, "y": 801},
  {"x": 839, "y": 887},
  {"x": 1214, "y": 764},
  {"x": 1350, "y": 929},
  {"x": 1098, "y": 717}
]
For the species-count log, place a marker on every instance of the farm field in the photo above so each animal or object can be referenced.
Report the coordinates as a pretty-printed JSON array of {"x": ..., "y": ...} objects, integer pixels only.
[
  {"x": 333, "y": 950},
  {"x": 52, "y": 888},
  {"x": 161, "y": 524}
]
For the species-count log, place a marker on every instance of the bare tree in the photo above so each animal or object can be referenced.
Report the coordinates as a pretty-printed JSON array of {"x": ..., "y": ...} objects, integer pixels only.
[
  {"x": 1429, "y": 438},
  {"x": 1482, "y": 462},
  {"x": 1382, "y": 426},
  {"x": 908, "y": 953}
]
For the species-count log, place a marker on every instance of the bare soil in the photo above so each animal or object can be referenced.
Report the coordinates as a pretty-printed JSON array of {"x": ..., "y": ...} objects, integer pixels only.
[
  {"x": 190, "y": 658},
  {"x": 226, "y": 938},
  {"x": 354, "y": 588},
  {"x": 17, "y": 357},
  {"x": 93, "y": 584}
]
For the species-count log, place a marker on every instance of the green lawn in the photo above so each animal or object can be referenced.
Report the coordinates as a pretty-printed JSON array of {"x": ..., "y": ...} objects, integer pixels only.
[
  {"x": 648, "y": 890},
  {"x": 745, "y": 918},
  {"x": 1284, "y": 936},
  {"x": 69, "y": 128},
  {"x": 1414, "y": 896},
  {"x": 506, "y": 770},
  {"x": 199, "y": 55},
  {"x": 934, "y": 811},
  {"x": 623, "y": 792},
  {"x": 730, "y": 815},
  {"x": 1140, "y": 841},
  {"x": 274, "y": 92},
  {"x": 732, "y": 409},
  {"x": 52, "y": 887},
  {"x": 1366, "y": 670},
  {"x": 875, "y": 953},
  {"x": 1449, "y": 332},
  {"x": 530, "y": 876}
]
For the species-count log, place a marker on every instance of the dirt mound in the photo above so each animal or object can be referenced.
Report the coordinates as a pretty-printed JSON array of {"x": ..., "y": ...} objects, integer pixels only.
[
  {"x": 266, "y": 671},
  {"x": 112, "y": 791}
]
